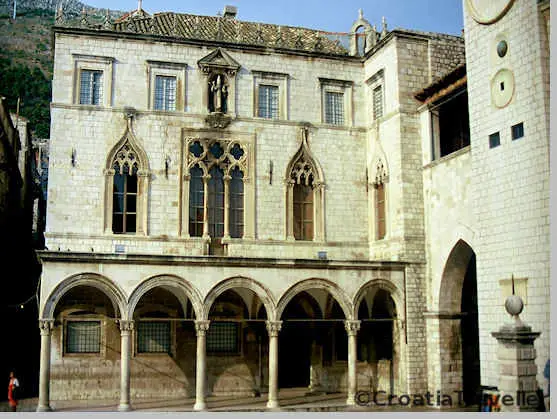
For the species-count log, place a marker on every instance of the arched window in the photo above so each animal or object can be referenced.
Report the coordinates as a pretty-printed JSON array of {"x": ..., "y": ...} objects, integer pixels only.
[
  {"x": 237, "y": 203},
  {"x": 304, "y": 196},
  {"x": 197, "y": 205},
  {"x": 380, "y": 202},
  {"x": 126, "y": 186},
  {"x": 124, "y": 207}
]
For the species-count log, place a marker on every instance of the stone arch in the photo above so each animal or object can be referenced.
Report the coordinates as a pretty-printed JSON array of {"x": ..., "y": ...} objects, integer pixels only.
[
  {"x": 308, "y": 284},
  {"x": 241, "y": 282},
  {"x": 128, "y": 138},
  {"x": 452, "y": 279},
  {"x": 176, "y": 284},
  {"x": 383, "y": 284},
  {"x": 368, "y": 30},
  {"x": 90, "y": 279}
]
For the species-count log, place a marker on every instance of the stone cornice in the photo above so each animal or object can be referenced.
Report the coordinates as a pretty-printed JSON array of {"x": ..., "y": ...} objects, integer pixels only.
[{"x": 88, "y": 257}]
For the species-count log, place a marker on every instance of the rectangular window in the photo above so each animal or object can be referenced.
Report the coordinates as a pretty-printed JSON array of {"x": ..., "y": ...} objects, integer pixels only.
[
  {"x": 517, "y": 131},
  {"x": 223, "y": 337},
  {"x": 494, "y": 140},
  {"x": 153, "y": 337},
  {"x": 334, "y": 108},
  {"x": 83, "y": 337},
  {"x": 165, "y": 93},
  {"x": 378, "y": 102},
  {"x": 91, "y": 87},
  {"x": 268, "y": 102}
]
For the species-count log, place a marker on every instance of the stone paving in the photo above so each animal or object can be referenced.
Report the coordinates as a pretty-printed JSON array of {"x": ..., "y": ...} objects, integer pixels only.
[{"x": 290, "y": 400}]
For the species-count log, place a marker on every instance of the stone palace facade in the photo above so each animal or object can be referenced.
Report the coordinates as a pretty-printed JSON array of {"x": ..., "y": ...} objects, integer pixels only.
[{"x": 238, "y": 207}]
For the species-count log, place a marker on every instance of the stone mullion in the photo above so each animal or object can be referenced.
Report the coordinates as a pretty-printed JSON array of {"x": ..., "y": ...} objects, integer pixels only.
[
  {"x": 206, "y": 206},
  {"x": 226, "y": 180},
  {"x": 290, "y": 210},
  {"x": 143, "y": 192}
]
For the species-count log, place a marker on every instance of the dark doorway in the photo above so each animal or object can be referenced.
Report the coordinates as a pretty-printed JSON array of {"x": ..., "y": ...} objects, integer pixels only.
[
  {"x": 470, "y": 335},
  {"x": 295, "y": 341}
]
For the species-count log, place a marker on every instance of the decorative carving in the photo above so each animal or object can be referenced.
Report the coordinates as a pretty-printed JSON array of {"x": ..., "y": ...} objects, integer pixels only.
[
  {"x": 83, "y": 22},
  {"x": 201, "y": 327},
  {"x": 46, "y": 326},
  {"x": 380, "y": 173},
  {"x": 273, "y": 328},
  {"x": 352, "y": 327},
  {"x": 304, "y": 170},
  {"x": 225, "y": 154},
  {"x": 126, "y": 325},
  {"x": 107, "y": 23},
  {"x": 59, "y": 19},
  {"x": 218, "y": 120}
]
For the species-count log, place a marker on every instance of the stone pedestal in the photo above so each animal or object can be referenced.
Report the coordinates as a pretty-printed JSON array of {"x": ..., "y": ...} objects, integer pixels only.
[{"x": 517, "y": 367}]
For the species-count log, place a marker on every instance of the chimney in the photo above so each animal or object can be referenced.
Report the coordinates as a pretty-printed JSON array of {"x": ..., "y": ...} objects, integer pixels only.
[{"x": 230, "y": 12}]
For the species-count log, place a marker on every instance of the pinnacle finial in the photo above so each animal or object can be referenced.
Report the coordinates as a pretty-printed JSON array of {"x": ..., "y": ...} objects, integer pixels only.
[
  {"x": 360, "y": 13},
  {"x": 139, "y": 5}
]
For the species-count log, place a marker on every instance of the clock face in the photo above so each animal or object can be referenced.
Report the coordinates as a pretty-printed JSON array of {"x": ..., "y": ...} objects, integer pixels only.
[{"x": 488, "y": 11}]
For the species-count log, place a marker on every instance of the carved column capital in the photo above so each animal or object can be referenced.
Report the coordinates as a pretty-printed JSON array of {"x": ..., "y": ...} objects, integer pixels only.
[
  {"x": 46, "y": 326},
  {"x": 201, "y": 327},
  {"x": 126, "y": 325},
  {"x": 273, "y": 328},
  {"x": 352, "y": 327}
]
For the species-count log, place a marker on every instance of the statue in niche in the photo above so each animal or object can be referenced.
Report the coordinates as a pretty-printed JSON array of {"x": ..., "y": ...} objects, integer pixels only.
[{"x": 218, "y": 92}]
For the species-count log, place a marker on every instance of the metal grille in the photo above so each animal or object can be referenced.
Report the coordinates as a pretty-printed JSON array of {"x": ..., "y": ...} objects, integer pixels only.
[
  {"x": 267, "y": 105},
  {"x": 153, "y": 337},
  {"x": 83, "y": 337},
  {"x": 165, "y": 93},
  {"x": 196, "y": 202},
  {"x": 91, "y": 85},
  {"x": 222, "y": 337},
  {"x": 334, "y": 108},
  {"x": 378, "y": 102},
  {"x": 216, "y": 203}
]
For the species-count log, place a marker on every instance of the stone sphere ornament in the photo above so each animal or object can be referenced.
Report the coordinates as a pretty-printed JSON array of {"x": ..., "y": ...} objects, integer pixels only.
[
  {"x": 502, "y": 48},
  {"x": 514, "y": 305}
]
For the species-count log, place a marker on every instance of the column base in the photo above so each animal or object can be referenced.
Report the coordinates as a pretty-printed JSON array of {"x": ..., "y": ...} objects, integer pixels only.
[
  {"x": 351, "y": 400},
  {"x": 200, "y": 406},
  {"x": 272, "y": 404},
  {"x": 44, "y": 408},
  {"x": 124, "y": 407}
]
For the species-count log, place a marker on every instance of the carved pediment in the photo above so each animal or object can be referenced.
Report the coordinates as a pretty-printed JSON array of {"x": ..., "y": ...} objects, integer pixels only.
[{"x": 219, "y": 60}]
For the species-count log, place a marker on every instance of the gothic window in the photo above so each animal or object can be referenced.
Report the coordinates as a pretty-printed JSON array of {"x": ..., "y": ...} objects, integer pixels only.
[
  {"x": 126, "y": 186},
  {"x": 236, "y": 204},
  {"x": 216, "y": 188},
  {"x": 380, "y": 201},
  {"x": 124, "y": 206},
  {"x": 304, "y": 196},
  {"x": 196, "y": 201}
]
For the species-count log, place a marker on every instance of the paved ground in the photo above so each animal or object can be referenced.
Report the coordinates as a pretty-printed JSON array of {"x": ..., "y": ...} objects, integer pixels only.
[{"x": 289, "y": 399}]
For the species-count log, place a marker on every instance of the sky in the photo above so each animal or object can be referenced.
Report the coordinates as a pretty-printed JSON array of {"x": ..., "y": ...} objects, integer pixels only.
[{"x": 443, "y": 16}]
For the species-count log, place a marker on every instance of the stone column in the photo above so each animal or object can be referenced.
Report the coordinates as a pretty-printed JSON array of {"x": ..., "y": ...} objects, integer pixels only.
[
  {"x": 201, "y": 327},
  {"x": 352, "y": 327},
  {"x": 273, "y": 328},
  {"x": 517, "y": 362},
  {"x": 46, "y": 327},
  {"x": 126, "y": 329}
]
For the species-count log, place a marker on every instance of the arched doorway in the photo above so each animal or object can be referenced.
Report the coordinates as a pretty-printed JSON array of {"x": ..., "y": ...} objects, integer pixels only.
[
  {"x": 313, "y": 348},
  {"x": 237, "y": 343},
  {"x": 85, "y": 340},
  {"x": 379, "y": 341},
  {"x": 458, "y": 325}
]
